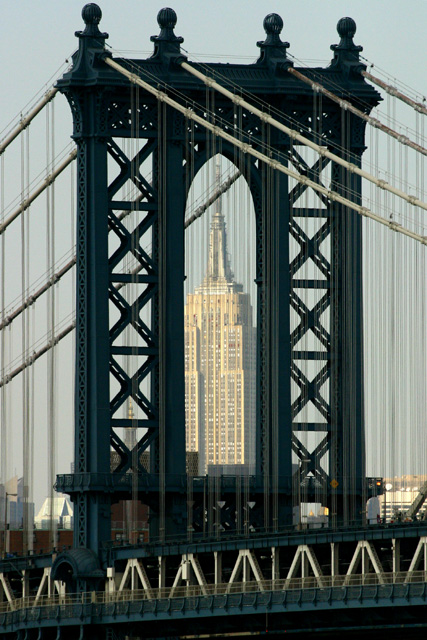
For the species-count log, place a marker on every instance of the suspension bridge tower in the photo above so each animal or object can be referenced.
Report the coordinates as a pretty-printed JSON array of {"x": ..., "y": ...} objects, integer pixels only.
[{"x": 309, "y": 426}]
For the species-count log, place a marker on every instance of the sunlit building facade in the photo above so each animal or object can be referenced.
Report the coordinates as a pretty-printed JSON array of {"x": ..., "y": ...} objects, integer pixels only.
[{"x": 220, "y": 363}]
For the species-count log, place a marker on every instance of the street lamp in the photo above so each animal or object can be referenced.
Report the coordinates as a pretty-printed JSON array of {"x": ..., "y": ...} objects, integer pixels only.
[{"x": 388, "y": 487}]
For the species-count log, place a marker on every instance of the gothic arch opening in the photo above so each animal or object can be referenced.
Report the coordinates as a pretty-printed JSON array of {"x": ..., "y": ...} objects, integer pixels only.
[{"x": 220, "y": 320}]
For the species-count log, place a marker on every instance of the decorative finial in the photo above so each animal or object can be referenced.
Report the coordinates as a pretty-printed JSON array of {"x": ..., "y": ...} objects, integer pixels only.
[
  {"x": 346, "y": 53},
  {"x": 346, "y": 28},
  {"x": 166, "y": 44},
  {"x": 273, "y": 50},
  {"x": 91, "y": 14},
  {"x": 167, "y": 18},
  {"x": 273, "y": 24}
]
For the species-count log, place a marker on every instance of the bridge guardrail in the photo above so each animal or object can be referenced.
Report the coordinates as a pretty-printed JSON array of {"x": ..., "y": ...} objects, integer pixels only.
[{"x": 322, "y": 588}]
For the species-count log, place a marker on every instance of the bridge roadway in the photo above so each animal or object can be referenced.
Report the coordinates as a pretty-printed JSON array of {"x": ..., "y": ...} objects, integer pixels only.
[
  {"x": 246, "y": 610},
  {"x": 304, "y": 581},
  {"x": 254, "y": 540}
]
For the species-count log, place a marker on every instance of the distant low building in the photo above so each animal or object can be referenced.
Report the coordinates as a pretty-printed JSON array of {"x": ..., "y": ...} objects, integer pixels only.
[
  {"x": 231, "y": 469},
  {"x": 399, "y": 493},
  {"x": 16, "y": 511},
  {"x": 57, "y": 511}
]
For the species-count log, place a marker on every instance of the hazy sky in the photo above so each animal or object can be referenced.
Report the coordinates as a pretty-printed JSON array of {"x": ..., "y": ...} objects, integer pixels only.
[{"x": 37, "y": 37}]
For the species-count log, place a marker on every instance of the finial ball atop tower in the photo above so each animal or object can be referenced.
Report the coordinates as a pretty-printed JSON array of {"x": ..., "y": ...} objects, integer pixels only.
[
  {"x": 166, "y": 18},
  {"x": 273, "y": 24},
  {"x": 346, "y": 28},
  {"x": 91, "y": 14}
]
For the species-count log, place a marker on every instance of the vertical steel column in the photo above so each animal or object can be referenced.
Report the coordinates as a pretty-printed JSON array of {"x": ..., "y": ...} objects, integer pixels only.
[
  {"x": 347, "y": 444},
  {"x": 92, "y": 415},
  {"x": 168, "y": 453},
  {"x": 347, "y": 470},
  {"x": 275, "y": 456},
  {"x": 274, "y": 421},
  {"x": 347, "y": 448}
]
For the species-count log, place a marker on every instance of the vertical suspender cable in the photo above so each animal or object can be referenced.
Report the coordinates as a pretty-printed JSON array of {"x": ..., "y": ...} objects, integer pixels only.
[
  {"x": 28, "y": 497},
  {"x": 209, "y": 430},
  {"x": 3, "y": 432},
  {"x": 25, "y": 340},
  {"x": 73, "y": 186},
  {"x": 135, "y": 289},
  {"x": 51, "y": 365},
  {"x": 187, "y": 347},
  {"x": 393, "y": 311},
  {"x": 421, "y": 379},
  {"x": 24, "y": 377},
  {"x": 267, "y": 214},
  {"x": 161, "y": 240},
  {"x": 305, "y": 222},
  {"x": 274, "y": 522},
  {"x": 129, "y": 289}
]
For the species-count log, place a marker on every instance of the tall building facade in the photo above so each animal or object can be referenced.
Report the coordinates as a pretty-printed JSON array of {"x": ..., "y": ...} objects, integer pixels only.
[{"x": 220, "y": 364}]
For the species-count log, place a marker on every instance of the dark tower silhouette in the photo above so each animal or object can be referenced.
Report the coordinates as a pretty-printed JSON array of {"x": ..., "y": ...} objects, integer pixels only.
[{"x": 106, "y": 109}]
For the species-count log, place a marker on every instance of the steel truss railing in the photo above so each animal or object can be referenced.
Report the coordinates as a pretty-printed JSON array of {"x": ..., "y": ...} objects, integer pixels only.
[{"x": 404, "y": 579}]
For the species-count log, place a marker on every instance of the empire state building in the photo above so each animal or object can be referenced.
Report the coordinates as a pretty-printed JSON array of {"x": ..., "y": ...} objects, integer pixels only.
[{"x": 220, "y": 364}]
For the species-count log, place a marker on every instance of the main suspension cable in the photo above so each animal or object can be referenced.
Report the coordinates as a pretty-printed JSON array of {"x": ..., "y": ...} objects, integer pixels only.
[
  {"x": 294, "y": 135},
  {"x": 345, "y": 104},
  {"x": 394, "y": 91},
  {"x": 225, "y": 186},
  {"x": 247, "y": 148},
  {"x": 34, "y": 296},
  {"x": 36, "y": 355},
  {"x": 24, "y": 122},
  {"x": 42, "y": 187}
]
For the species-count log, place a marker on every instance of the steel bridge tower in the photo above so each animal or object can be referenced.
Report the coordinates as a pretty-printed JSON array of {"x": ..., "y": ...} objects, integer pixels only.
[{"x": 102, "y": 104}]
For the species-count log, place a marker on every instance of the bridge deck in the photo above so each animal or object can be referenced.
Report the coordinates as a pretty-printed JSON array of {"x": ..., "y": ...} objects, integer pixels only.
[{"x": 247, "y": 607}]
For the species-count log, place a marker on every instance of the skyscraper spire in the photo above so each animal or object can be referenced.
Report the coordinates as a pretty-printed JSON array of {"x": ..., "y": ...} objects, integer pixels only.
[
  {"x": 219, "y": 277},
  {"x": 218, "y": 184}
]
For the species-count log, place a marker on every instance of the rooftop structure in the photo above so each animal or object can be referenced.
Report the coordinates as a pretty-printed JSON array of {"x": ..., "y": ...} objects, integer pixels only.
[{"x": 57, "y": 510}]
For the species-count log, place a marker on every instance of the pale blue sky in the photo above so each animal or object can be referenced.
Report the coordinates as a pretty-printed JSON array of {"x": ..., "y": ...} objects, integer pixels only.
[{"x": 37, "y": 36}]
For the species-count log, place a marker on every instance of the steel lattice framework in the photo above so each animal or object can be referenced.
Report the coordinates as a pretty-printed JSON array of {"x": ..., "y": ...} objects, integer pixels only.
[{"x": 105, "y": 109}]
